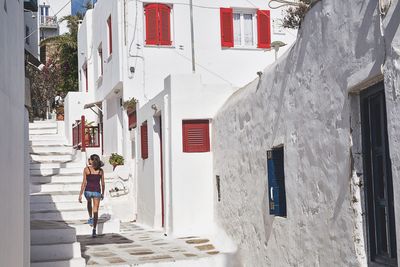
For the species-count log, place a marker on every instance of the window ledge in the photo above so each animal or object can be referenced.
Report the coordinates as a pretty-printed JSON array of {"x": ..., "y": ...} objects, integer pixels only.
[
  {"x": 247, "y": 48},
  {"x": 160, "y": 46}
]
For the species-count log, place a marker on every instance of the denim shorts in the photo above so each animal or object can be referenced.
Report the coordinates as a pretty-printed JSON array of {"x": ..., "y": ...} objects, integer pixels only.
[{"x": 90, "y": 194}]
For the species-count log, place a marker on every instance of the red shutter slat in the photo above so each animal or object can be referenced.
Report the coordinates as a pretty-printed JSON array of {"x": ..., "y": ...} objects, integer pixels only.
[
  {"x": 226, "y": 17},
  {"x": 109, "y": 23},
  {"x": 165, "y": 24},
  {"x": 151, "y": 12},
  {"x": 264, "y": 28},
  {"x": 196, "y": 136},
  {"x": 132, "y": 119},
  {"x": 144, "y": 141}
]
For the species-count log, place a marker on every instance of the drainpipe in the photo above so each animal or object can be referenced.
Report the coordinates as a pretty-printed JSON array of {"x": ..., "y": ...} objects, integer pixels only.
[{"x": 192, "y": 36}]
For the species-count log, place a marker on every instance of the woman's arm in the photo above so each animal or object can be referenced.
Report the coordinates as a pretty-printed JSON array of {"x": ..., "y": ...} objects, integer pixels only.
[
  {"x": 103, "y": 185},
  {"x": 83, "y": 185}
]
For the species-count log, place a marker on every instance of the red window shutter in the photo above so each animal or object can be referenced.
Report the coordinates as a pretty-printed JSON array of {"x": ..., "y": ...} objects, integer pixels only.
[
  {"x": 144, "y": 141},
  {"x": 226, "y": 27},
  {"x": 132, "y": 119},
  {"x": 165, "y": 24},
  {"x": 196, "y": 136},
  {"x": 109, "y": 23},
  {"x": 152, "y": 33},
  {"x": 264, "y": 28}
]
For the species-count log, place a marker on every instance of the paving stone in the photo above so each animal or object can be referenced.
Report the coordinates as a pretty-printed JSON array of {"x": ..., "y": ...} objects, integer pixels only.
[
  {"x": 101, "y": 249},
  {"x": 156, "y": 257},
  {"x": 103, "y": 254},
  {"x": 189, "y": 255},
  {"x": 197, "y": 241},
  {"x": 129, "y": 246},
  {"x": 90, "y": 262},
  {"x": 115, "y": 260},
  {"x": 213, "y": 252},
  {"x": 140, "y": 253},
  {"x": 205, "y": 247}
]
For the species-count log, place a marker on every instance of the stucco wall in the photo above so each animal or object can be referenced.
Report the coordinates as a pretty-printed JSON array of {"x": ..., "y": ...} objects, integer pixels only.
[
  {"x": 303, "y": 102},
  {"x": 187, "y": 177},
  {"x": 14, "y": 230},
  {"x": 391, "y": 33}
]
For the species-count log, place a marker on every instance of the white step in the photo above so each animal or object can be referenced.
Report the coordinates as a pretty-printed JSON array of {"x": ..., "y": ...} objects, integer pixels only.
[
  {"x": 51, "y": 158},
  {"x": 43, "y": 125},
  {"x": 56, "y": 142},
  {"x": 59, "y": 206},
  {"x": 66, "y": 215},
  {"x": 38, "y": 179},
  {"x": 52, "y": 149},
  {"x": 46, "y": 137},
  {"x": 76, "y": 262},
  {"x": 55, "y": 165},
  {"x": 51, "y": 232},
  {"x": 60, "y": 251},
  {"x": 55, "y": 197},
  {"x": 53, "y": 187},
  {"x": 42, "y": 131},
  {"x": 56, "y": 171}
]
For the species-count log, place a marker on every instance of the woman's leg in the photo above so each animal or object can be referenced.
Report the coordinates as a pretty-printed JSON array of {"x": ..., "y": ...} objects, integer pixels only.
[
  {"x": 89, "y": 207},
  {"x": 96, "y": 203}
]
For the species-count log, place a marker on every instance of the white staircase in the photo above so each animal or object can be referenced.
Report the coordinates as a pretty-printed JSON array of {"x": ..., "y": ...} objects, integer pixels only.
[{"x": 56, "y": 215}]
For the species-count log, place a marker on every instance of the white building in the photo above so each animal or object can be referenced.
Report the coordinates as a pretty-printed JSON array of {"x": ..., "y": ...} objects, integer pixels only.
[
  {"x": 50, "y": 13},
  {"x": 128, "y": 49},
  {"x": 307, "y": 158},
  {"x": 14, "y": 192}
]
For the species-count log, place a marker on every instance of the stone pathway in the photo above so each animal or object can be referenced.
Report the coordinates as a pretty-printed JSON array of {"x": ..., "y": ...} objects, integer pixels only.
[{"x": 135, "y": 246}]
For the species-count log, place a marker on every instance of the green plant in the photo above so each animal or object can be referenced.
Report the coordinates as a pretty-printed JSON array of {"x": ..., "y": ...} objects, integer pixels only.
[
  {"x": 130, "y": 104},
  {"x": 116, "y": 159}
]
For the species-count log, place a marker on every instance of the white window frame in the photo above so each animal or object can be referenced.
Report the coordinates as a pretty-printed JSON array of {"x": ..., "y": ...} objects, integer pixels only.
[{"x": 252, "y": 12}]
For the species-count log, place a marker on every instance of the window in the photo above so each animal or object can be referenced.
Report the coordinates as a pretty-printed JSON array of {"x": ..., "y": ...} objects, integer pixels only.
[
  {"x": 158, "y": 24},
  {"x": 378, "y": 180},
  {"x": 196, "y": 136},
  {"x": 132, "y": 119},
  {"x": 144, "y": 140},
  {"x": 27, "y": 32},
  {"x": 85, "y": 73},
  {"x": 276, "y": 182},
  {"x": 245, "y": 28},
  {"x": 100, "y": 62},
  {"x": 109, "y": 25}
]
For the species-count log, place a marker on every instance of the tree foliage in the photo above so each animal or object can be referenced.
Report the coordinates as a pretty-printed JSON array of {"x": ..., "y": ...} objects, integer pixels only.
[{"x": 294, "y": 15}]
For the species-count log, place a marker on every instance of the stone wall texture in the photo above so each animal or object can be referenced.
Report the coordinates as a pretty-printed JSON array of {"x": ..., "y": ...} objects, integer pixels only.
[{"x": 303, "y": 101}]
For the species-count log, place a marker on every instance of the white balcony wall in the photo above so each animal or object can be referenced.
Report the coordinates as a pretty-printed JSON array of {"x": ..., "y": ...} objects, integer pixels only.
[
  {"x": 187, "y": 177},
  {"x": 14, "y": 189}
]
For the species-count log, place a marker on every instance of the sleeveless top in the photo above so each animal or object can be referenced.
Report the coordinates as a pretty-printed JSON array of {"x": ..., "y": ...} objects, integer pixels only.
[{"x": 93, "y": 181}]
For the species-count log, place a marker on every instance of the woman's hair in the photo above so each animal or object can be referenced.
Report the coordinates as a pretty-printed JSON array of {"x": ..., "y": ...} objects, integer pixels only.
[{"x": 96, "y": 162}]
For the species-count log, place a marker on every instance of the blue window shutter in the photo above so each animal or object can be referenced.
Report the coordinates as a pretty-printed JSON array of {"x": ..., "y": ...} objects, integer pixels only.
[
  {"x": 271, "y": 184},
  {"x": 276, "y": 182}
]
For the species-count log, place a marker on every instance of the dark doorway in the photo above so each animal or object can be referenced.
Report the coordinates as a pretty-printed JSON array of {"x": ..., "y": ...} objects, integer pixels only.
[{"x": 378, "y": 178}]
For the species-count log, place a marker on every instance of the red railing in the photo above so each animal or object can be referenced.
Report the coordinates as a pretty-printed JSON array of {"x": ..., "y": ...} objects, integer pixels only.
[
  {"x": 77, "y": 132},
  {"x": 85, "y": 136}
]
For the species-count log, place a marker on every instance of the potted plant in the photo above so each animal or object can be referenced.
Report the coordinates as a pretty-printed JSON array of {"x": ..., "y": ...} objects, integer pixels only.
[
  {"x": 60, "y": 113},
  {"x": 116, "y": 160},
  {"x": 130, "y": 105}
]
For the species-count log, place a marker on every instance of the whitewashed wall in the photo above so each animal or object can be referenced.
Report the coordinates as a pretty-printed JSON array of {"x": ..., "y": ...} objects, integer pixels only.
[
  {"x": 14, "y": 230},
  {"x": 188, "y": 181},
  {"x": 303, "y": 102},
  {"x": 391, "y": 34},
  {"x": 153, "y": 64}
]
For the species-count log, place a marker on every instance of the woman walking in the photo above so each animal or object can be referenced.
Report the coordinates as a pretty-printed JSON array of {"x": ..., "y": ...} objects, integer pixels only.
[{"x": 93, "y": 175}]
